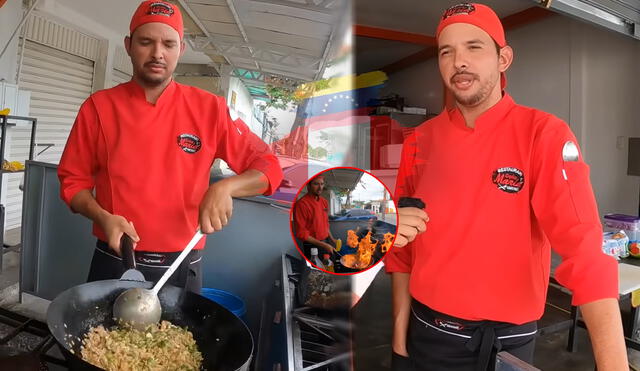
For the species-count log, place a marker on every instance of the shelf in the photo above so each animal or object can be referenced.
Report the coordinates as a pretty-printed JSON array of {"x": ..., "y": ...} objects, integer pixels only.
[{"x": 11, "y": 172}]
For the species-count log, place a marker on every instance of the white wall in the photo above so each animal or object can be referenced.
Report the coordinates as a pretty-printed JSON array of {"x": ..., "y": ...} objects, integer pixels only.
[
  {"x": 244, "y": 105},
  {"x": 610, "y": 109},
  {"x": 10, "y": 16},
  {"x": 210, "y": 84},
  {"x": 63, "y": 14},
  {"x": 581, "y": 73},
  {"x": 540, "y": 75},
  {"x": 421, "y": 86},
  {"x": 587, "y": 76}
]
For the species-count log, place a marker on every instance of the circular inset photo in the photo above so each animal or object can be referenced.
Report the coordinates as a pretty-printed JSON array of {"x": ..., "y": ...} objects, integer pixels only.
[{"x": 343, "y": 220}]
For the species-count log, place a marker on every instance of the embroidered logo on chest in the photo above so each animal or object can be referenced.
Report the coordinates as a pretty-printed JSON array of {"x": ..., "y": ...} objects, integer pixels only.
[
  {"x": 508, "y": 179},
  {"x": 189, "y": 143}
]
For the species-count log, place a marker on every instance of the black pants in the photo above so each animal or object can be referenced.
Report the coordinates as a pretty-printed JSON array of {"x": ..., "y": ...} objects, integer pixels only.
[
  {"x": 438, "y": 342},
  {"x": 106, "y": 265}
]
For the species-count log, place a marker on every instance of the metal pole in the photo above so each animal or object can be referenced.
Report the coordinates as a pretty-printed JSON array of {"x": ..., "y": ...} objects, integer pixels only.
[
  {"x": 24, "y": 19},
  {"x": 2, "y": 143},
  {"x": 33, "y": 139}
]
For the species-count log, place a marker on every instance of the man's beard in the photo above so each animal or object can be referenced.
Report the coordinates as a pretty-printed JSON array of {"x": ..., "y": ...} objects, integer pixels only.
[
  {"x": 480, "y": 96},
  {"x": 153, "y": 81}
]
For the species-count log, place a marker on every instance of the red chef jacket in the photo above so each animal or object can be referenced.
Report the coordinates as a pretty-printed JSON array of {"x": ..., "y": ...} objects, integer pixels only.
[
  {"x": 498, "y": 197},
  {"x": 312, "y": 217},
  {"x": 150, "y": 163}
]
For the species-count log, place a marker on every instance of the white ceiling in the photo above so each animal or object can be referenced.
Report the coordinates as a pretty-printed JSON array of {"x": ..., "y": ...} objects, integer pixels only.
[
  {"x": 421, "y": 16},
  {"x": 115, "y": 15},
  {"x": 289, "y": 38},
  {"x": 342, "y": 178}
]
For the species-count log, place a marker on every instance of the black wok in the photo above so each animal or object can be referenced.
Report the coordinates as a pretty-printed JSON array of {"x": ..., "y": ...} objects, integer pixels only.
[{"x": 223, "y": 339}]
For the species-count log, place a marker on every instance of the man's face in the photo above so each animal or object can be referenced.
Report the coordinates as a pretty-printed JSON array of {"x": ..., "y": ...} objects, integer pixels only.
[
  {"x": 154, "y": 49},
  {"x": 469, "y": 63},
  {"x": 316, "y": 186}
]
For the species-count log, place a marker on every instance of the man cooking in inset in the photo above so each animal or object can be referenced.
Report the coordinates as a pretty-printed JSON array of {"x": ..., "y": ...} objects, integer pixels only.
[
  {"x": 503, "y": 184},
  {"x": 311, "y": 217},
  {"x": 146, "y": 147}
]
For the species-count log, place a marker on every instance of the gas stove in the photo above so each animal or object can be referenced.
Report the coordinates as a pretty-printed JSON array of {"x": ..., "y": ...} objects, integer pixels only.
[
  {"x": 26, "y": 344},
  {"x": 317, "y": 338}
]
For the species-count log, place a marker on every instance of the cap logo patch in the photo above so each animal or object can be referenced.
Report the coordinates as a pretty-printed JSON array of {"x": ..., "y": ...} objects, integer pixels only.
[
  {"x": 508, "y": 179},
  {"x": 160, "y": 8},
  {"x": 464, "y": 8},
  {"x": 189, "y": 143}
]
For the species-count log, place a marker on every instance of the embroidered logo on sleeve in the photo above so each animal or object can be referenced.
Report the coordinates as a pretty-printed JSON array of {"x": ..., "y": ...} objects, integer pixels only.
[
  {"x": 189, "y": 143},
  {"x": 509, "y": 179}
]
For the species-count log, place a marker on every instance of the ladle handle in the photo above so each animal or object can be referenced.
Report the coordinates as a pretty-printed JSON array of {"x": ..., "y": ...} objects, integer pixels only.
[
  {"x": 126, "y": 249},
  {"x": 176, "y": 263}
]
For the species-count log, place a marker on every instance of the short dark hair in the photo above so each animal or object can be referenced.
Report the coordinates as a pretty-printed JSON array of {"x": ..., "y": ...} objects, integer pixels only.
[{"x": 498, "y": 48}]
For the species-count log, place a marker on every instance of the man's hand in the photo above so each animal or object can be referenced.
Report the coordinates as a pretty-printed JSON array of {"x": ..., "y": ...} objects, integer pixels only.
[
  {"x": 411, "y": 221},
  {"x": 114, "y": 226},
  {"x": 216, "y": 208},
  {"x": 328, "y": 248}
]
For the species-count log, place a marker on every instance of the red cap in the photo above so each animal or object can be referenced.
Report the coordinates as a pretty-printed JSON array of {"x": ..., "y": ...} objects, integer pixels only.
[
  {"x": 157, "y": 11},
  {"x": 480, "y": 16}
]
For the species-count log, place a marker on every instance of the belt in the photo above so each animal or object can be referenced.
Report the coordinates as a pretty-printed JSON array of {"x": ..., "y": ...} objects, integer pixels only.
[
  {"x": 152, "y": 259},
  {"x": 482, "y": 336}
]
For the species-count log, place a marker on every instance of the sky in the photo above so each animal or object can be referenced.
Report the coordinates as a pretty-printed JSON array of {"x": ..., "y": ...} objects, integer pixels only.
[{"x": 369, "y": 188}]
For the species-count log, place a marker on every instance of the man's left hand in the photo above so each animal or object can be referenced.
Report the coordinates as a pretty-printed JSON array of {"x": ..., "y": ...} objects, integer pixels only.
[{"x": 216, "y": 208}]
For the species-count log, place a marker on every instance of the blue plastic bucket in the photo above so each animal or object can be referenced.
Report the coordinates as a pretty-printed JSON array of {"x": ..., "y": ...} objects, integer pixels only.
[{"x": 231, "y": 302}]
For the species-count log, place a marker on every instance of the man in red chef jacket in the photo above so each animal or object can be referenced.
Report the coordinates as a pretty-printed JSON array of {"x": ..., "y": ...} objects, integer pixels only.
[
  {"x": 146, "y": 147},
  {"x": 311, "y": 216},
  {"x": 503, "y": 184}
]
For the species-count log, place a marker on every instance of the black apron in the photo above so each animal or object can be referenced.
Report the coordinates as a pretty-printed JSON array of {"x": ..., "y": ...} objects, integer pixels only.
[
  {"x": 438, "y": 342},
  {"x": 106, "y": 265}
]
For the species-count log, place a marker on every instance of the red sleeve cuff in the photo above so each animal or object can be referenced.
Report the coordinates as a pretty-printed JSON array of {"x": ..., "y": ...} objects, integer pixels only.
[
  {"x": 590, "y": 278},
  {"x": 270, "y": 167},
  {"x": 303, "y": 234},
  {"x": 67, "y": 192},
  {"x": 398, "y": 260}
]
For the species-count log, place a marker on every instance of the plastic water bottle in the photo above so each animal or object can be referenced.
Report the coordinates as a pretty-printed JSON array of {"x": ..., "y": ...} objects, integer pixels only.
[{"x": 315, "y": 259}]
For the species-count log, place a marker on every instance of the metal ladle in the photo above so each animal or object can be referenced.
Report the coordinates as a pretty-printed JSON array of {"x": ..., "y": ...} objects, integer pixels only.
[{"x": 138, "y": 306}]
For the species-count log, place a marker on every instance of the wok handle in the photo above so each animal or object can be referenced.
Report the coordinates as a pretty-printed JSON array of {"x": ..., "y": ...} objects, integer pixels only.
[{"x": 126, "y": 248}]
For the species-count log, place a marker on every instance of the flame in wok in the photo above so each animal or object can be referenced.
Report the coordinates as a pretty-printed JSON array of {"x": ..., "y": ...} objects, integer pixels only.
[
  {"x": 352, "y": 238},
  {"x": 386, "y": 244}
]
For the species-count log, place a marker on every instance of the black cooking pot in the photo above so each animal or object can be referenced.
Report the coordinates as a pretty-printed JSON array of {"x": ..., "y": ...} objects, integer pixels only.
[{"x": 223, "y": 339}]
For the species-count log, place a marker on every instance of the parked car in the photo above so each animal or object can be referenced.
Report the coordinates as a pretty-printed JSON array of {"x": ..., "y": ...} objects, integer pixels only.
[{"x": 354, "y": 214}]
